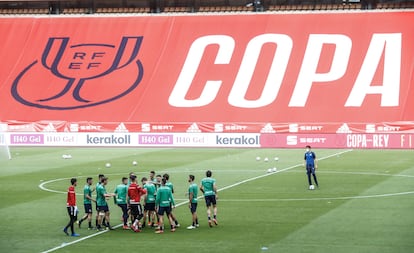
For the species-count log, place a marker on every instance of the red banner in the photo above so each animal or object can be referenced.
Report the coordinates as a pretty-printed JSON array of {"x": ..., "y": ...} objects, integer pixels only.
[
  {"x": 245, "y": 72},
  {"x": 197, "y": 127}
]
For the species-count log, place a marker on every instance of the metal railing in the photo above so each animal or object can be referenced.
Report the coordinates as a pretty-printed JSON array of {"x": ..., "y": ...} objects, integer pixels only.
[{"x": 159, "y": 6}]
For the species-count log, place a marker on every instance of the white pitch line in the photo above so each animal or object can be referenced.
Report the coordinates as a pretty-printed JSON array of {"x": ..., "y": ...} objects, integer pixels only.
[
  {"x": 78, "y": 240},
  {"x": 282, "y": 170},
  {"x": 322, "y": 198},
  {"x": 42, "y": 185},
  {"x": 179, "y": 204}
]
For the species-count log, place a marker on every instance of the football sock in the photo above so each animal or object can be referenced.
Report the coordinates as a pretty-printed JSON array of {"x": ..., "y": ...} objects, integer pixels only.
[
  {"x": 215, "y": 216},
  {"x": 197, "y": 221},
  {"x": 176, "y": 222},
  {"x": 316, "y": 181},
  {"x": 96, "y": 222},
  {"x": 209, "y": 218},
  {"x": 90, "y": 224}
]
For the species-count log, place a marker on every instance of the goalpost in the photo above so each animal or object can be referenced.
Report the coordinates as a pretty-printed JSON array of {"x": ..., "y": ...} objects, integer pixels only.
[{"x": 4, "y": 145}]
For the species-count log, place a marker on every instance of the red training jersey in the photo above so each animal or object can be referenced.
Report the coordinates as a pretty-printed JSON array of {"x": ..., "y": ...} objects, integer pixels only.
[
  {"x": 71, "y": 196},
  {"x": 135, "y": 192}
]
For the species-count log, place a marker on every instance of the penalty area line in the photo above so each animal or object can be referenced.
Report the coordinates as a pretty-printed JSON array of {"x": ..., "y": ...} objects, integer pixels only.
[{"x": 182, "y": 203}]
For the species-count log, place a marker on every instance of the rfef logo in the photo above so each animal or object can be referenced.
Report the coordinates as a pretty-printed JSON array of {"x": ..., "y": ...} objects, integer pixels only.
[{"x": 67, "y": 70}]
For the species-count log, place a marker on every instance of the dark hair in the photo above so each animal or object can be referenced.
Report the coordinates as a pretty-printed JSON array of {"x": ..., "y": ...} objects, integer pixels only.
[
  {"x": 144, "y": 179},
  {"x": 103, "y": 179},
  {"x": 163, "y": 181},
  {"x": 192, "y": 177},
  {"x": 307, "y": 146},
  {"x": 152, "y": 172},
  {"x": 166, "y": 176},
  {"x": 158, "y": 175},
  {"x": 73, "y": 181},
  {"x": 124, "y": 178},
  {"x": 132, "y": 177},
  {"x": 101, "y": 176},
  {"x": 88, "y": 179},
  {"x": 208, "y": 173}
]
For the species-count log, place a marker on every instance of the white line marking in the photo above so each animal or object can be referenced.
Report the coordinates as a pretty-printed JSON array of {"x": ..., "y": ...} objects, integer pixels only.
[
  {"x": 322, "y": 198},
  {"x": 43, "y": 187},
  {"x": 78, "y": 240},
  {"x": 282, "y": 170},
  {"x": 179, "y": 204}
]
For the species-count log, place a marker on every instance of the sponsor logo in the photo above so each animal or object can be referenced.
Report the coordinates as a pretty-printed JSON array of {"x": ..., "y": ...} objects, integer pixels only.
[
  {"x": 23, "y": 127},
  {"x": 344, "y": 129},
  {"x": 220, "y": 127},
  {"x": 59, "y": 139},
  {"x": 367, "y": 141},
  {"x": 147, "y": 127},
  {"x": 26, "y": 139},
  {"x": 310, "y": 140},
  {"x": 372, "y": 128},
  {"x": 191, "y": 139},
  {"x": 291, "y": 140},
  {"x": 160, "y": 139},
  {"x": 241, "y": 140},
  {"x": 121, "y": 128},
  {"x": 267, "y": 129},
  {"x": 112, "y": 139},
  {"x": 74, "y": 127},
  {"x": 49, "y": 128},
  {"x": 72, "y": 67},
  {"x": 193, "y": 129},
  {"x": 89, "y": 128},
  {"x": 294, "y": 128}
]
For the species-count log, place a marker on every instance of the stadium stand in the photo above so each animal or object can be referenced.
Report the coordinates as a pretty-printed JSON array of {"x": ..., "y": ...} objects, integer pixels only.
[{"x": 67, "y": 7}]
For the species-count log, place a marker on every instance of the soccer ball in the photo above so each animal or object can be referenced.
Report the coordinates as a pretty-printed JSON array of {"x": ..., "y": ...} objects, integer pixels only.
[
  {"x": 134, "y": 163},
  {"x": 266, "y": 159},
  {"x": 269, "y": 170},
  {"x": 258, "y": 158},
  {"x": 274, "y": 169},
  {"x": 108, "y": 165},
  {"x": 276, "y": 158},
  {"x": 311, "y": 187}
]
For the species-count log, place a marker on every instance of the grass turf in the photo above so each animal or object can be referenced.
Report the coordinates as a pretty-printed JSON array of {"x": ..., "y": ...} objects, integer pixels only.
[{"x": 356, "y": 209}]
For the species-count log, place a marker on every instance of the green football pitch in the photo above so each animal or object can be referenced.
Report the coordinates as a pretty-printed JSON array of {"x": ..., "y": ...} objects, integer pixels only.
[{"x": 365, "y": 201}]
